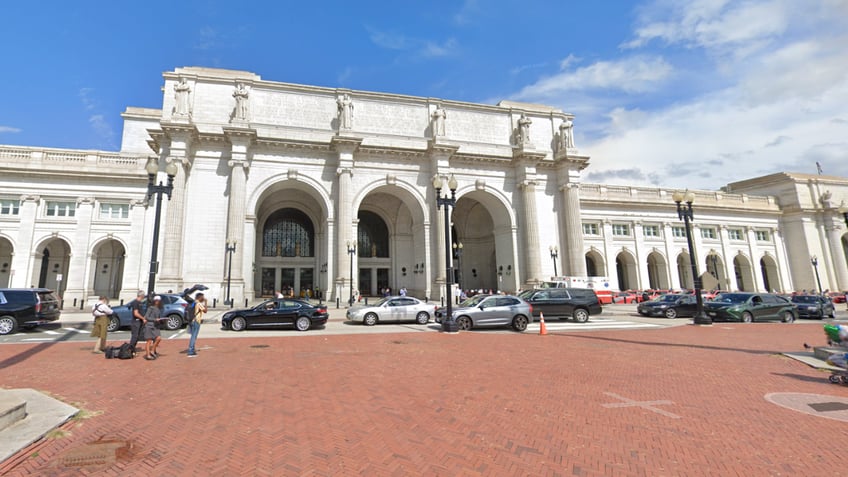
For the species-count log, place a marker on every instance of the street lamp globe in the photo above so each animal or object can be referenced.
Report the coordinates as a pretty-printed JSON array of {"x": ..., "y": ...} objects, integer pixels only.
[
  {"x": 452, "y": 184},
  {"x": 171, "y": 169},
  {"x": 437, "y": 181},
  {"x": 689, "y": 197},
  {"x": 677, "y": 196},
  {"x": 152, "y": 166}
]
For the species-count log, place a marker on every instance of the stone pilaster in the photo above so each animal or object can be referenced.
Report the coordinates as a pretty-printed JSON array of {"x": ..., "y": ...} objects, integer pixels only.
[
  {"x": 837, "y": 253},
  {"x": 240, "y": 139},
  {"x": 435, "y": 273},
  {"x": 179, "y": 152},
  {"x": 573, "y": 232},
  {"x": 75, "y": 285},
  {"x": 23, "y": 258},
  {"x": 532, "y": 258},
  {"x": 345, "y": 146}
]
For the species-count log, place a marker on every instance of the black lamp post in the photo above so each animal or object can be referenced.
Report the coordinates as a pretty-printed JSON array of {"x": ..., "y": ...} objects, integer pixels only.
[
  {"x": 231, "y": 249},
  {"x": 713, "y": 258},
  {"x": 554, "y": 255},
  {"x": 449, "y": 323},
  {"x": 351, "y": 250},
  {"x": 684, "y": 213},
  {"x": 457, "y": 254},
  {"x": 157, "y": 189},
  {"x": 815, "y": 261}
]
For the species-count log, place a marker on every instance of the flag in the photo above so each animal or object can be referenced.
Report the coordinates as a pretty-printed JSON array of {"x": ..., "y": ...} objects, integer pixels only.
[{"x": 818, "y": 167}]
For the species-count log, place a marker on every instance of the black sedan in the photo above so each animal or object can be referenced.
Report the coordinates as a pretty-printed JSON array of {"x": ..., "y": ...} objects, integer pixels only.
[
  {"x": 813, "y": 306},
  {"x": 275, "y": 313},
  {"x": 669, "y": 306}
]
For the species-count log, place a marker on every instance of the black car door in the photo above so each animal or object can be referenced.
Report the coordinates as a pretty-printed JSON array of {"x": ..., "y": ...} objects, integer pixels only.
[
  {"x": 687, "y": 306},
  {"x": 287, "y": 312}
]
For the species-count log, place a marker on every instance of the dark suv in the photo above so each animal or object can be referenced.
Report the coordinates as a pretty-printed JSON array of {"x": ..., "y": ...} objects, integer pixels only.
[
  {"x": 563, "y": 303},
  {"x": 26, "y": 308}
]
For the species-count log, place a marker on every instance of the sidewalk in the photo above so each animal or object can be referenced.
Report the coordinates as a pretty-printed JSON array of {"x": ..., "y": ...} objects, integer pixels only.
[{"x": 678, "y": 401}]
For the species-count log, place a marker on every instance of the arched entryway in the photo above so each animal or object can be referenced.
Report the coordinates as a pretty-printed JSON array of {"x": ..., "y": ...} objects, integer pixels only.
[
  {"x": 484, "y": 227},
  {"x": 657, "y": 272},
  {"x": 771, "y": 278},
  {"x": 715, "y": 278},
  {"x": 744, "y": 273},
  {"x": 684, "y": 271},
  {"x": 373, "y": 254},
  {"x": 51, "y": 265},
  {"x": 6, "y": 253},
  {"x": 626, "y": 271},
  {"x": 107, "y": 273},
  {"x": 595, "y": 264},
  {"x": 287, "y": 253}
]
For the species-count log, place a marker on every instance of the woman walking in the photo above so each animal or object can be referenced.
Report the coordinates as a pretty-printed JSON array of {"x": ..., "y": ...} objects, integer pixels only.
[
  {"x": 199, "y": 308},
  {"x": 151, "y": 328},
  {"x": 101, "y": 312}
]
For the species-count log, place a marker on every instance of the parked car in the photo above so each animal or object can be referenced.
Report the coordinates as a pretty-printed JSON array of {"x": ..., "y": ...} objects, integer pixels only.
[
  {"x": 26, "y": 308},
  {"x": 670, "y": 306},
  {"x": 813, "y": 306},
  {"x": 396, "y": 308},
  {"x": 493, "y": 310},
  {"x": 749, "y": 307},
  {"x": 563, "y": 303},
  {"x": 275, "y": 313},
  {"x": 837, "y": 297},
  {"x": 174, "y": 311},
  {"x": 625, "y": 298}
]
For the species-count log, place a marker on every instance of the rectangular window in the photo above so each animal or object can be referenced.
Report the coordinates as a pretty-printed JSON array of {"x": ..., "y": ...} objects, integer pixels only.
[
  {"x": 651, "y": 231},
  {"x": 708, "y": 233},
  {"x": 621, "y": 230},
  {"x": 763, "y": 235},
  {"x": 60, "y": 209},
  {"x": 9, "y": 207},
  {"x": 590, "y": 229},
  {"x": 735, "y": 234},
  {"x": 114, "y": 211},
  {"x": 678, "y": 232}
]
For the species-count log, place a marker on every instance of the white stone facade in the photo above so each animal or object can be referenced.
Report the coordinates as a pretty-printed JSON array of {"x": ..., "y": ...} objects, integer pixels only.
[{"x": 295, "y": 174}]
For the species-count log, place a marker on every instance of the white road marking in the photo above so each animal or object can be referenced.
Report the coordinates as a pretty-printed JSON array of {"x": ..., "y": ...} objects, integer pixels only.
[
  {"x": 647, "y": 405},
  {"x": 51, "y": 332},
  {"x": 38, "y": 339},
  {"x": 77, "y": 330},
  {"x": 177, "y": 334},
  {"x": 591, "y": 326}
]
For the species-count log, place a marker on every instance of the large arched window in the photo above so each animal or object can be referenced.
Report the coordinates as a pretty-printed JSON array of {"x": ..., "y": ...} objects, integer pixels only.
[
  {"x": 288, "y": 233},
  {"x": 373, "y": 236}
]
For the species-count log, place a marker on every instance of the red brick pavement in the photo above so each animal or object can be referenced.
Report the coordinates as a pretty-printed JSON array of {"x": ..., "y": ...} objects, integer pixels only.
[{"x": 429, "y": 404}]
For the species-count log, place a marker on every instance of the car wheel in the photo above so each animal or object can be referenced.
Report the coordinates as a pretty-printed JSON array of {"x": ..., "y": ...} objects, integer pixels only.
[
  {"x": 580, "y": 315},
  {"x": 519, "y": 323},
  {"x": 788, "y": 317},
  {"x": 671, "y": 313},
  {"x": 370, "y": 319},
  {"x": 8, "y": 325},
  {"x": 302, "y": 323},
  {"x": 422, "y": 318},
  {"x": 464, "y": 323},
  {"x": 174, "y": 322},
  {"x": 114, "y": 324},
  {"x": 238, "y": 324},
  {"x": 747, "y": 317}
]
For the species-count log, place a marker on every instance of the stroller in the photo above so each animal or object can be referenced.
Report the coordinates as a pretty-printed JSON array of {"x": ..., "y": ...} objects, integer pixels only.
[{"x": 837, "y": 335}]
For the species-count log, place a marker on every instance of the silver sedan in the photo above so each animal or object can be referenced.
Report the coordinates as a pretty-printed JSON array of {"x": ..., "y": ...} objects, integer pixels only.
[{"x": 393, "y": 309}]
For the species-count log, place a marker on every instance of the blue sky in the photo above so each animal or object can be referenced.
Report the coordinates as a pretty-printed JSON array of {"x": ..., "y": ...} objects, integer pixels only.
[{"x": 692, "y": 93}]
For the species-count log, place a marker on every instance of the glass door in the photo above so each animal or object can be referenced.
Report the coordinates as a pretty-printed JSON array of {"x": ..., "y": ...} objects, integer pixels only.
[
  {"x": 287, "y": 281},
  {"x": 365, "y": 282},
  {"x": 383, "y": 279},
  {"x": 307, "y": 289},
  {"x": 268, "y": 281}
]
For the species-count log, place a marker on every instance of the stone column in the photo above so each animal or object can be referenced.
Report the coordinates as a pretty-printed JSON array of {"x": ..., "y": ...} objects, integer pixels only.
[
  {"x": 573, "y": 232},
  {"x": 75, "y": 284},
  {"x": 440, "y": 155},
  {"x": 23, "y": 253},
  {"x": 837, "y": 253},
  {"x": 753, "y": 252},
  {"x": 532, "y": 257},
  {"x": 172, "y": 240},
  {"x": 343, "y": 235},
  {"x": 236, "y": 216},
  {"x": 786, "y": 284}
]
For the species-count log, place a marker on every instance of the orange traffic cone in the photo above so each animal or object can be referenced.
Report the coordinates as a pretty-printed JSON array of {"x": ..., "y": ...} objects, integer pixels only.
[{"x": 543, "y": 330}]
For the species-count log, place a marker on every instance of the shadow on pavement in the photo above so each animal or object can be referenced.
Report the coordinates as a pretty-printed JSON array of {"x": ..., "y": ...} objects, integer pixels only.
[
  {"x": 26, "y": 354},
  {"x": 801, "y": 377},
  {"x": 665, "y": 345}
]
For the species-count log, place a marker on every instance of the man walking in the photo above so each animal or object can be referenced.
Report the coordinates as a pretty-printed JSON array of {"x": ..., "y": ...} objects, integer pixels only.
[
  {"x": 101, "y": 313},
  {"x": 196, "y": 310},
  {"x": 137, "y": 319}
]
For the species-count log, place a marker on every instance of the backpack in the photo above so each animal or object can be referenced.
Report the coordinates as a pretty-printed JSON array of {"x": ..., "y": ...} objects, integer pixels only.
[
  {"x": 111, "y": 352},
  {"x": 125, "y": 351}
]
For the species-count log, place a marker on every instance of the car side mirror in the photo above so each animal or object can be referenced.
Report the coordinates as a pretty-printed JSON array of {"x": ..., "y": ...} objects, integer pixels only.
[{"x": 482, "y": 307}]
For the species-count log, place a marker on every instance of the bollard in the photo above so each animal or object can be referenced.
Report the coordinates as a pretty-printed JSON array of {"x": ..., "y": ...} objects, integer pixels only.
[
  {"x": 122, "y": 302},
  {"x": 214, "y": 302},
  {"x": 245, "y": 302},
  {"x": 366, "y": 301},
  {"x": 442, "y": 301},
  {"x": 75, "y": 302},
  {"x": 337, "y": 303}
]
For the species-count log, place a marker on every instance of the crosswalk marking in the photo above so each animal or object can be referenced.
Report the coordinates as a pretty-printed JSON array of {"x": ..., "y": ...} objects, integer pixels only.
[
  {"x": 599, "y": 324},
  {"x": 75, "y": 329}
]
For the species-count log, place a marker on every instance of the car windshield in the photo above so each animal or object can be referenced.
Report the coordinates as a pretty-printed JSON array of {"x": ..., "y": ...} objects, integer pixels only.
[
  {"x": 732, "y": 298},
  {"x": 805, "y": 299},
  {"x": 380, "y": 302},
  {"x": 526, "y": 294},
  {"x": 669, "y": 298},
  {"x": 473, "y": 301}
]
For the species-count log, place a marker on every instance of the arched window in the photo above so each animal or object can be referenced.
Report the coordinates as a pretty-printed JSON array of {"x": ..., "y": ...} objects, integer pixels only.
[
  {"x": 373, "y": 236},
  {"x": 288, "y": 233}
]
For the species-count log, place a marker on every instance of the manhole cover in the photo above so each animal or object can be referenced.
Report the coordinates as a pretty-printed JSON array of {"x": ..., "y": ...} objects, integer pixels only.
[
  {"x": 98, "y": 454},
  {"x": 829, "y": 406},
  {"x": 821, "y": 405},
  {"x": 260, "y": 346}
]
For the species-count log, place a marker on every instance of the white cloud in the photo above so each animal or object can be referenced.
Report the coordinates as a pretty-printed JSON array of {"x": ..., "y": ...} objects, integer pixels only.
[
  {"x": 388, "y": 40},
  {"x": 421, "y": 47},
  {"x": 9, "y": 129},
  {"x": 86, "y": 96},
  {"x": 445, "y": 48},
  {"x": 103, "y": 129},
  {"x": 632, "y": 74},
  {"x": 466, "y": 12}
]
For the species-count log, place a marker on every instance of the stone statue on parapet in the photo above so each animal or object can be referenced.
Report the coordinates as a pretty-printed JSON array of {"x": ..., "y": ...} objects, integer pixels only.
[
  {"x": 566, "y": 135},
  {"x": 524, "y": 129},
  {"x": 181, "y": 97},
  {"x": 345, "y": 107},
  {"x": 439, "y": 121},
  {"x": 241, "y": 95}
]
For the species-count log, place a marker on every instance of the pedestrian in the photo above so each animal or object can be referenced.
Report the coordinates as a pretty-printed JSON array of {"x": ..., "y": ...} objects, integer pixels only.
[
  {"x": 137, "y": 319},
  {"x": 196, "y": 309},
  {"x": 151, "y": 328},
  {"x": 102, "y": 314},
  {"x": 279, "y": 295}
]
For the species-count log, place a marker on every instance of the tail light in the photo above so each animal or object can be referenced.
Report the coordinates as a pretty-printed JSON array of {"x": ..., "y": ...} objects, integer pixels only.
[
  {"x": 38, "y": 307},
  {"x": 184, "y": 305},
  {"x": 531, "y": 309}
]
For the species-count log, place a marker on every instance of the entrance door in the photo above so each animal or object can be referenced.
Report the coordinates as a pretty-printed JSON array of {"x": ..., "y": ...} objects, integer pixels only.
[
  {"x": 383, "y": 279},
  {"x": 287, "y": 281},
  {"x": 306, "y": 283},
  {"x": 365, "y": 282},
  {"x": 268, "y": 282}
]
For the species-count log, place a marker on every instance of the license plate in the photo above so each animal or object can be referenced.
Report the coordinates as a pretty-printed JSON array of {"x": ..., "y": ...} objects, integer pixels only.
[{"x": 712, "y": 313}]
